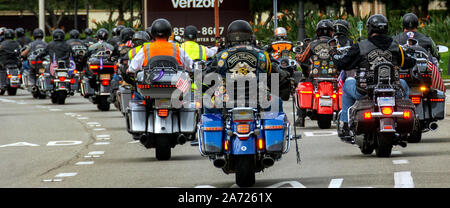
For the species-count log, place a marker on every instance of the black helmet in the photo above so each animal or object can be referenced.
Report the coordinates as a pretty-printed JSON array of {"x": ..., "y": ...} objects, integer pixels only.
[
  {"x": 190, "y": 32},
  {"x": 58, "y": 34},
  {"x": 126, "y": 34},
  {"x": 239, "y": 31},
  {"x": 20, "y": 32},
  {"x": 161, "y": 28},
  {"x": 74, "y": 34},
  {"x": 410, "y": 21},
  {"x": 88, "y": 31},
  {"x": 38, "y": 33},
  {"x": 114, "y": 31},
  {"x": 9, "y": 34},
  {"x": 324, "y": 28},
  {"x": 377, "y": 23},
  {"x": 140, "y": 37},
  {"x": 102, "y": 34},
  {"x": 149, "y": 32},
  {"x": 341, "y": 27}
]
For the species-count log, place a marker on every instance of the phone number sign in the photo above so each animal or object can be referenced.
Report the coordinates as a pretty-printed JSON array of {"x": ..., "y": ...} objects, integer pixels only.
[{"x": 199, "y": 13}]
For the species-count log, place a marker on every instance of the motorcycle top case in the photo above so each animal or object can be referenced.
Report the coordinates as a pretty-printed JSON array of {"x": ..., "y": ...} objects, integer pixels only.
[
  {"x": 357, "y": 116},
  {"x": 274, "y": 137},
  {"x": 211, "y": 141}
]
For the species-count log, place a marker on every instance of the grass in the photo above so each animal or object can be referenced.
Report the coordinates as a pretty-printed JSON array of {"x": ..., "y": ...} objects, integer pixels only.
[{"x": 444, "y": 63}]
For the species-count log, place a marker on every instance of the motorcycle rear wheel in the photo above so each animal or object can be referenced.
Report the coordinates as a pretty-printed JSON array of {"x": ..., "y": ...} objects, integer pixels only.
[
  {"x": 367, "y": 148},
  {"x": 416, "y": 135},
  {"x": 162, "y": 150},
  {"x": 324, "y": 121},
  {"x": 61, "y": 97},
  {"x": 103, "y": 103},
  {"x": 245, "y": 171},
  {"x": 12, "y": 91},
  {"x": 384, "y": 147}
]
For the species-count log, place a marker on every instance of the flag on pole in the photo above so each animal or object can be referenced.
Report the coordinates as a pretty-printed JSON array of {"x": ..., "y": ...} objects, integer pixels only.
[
  {"x": 182, "y": 84},
  {"x": 436, "y": 79},
  {"x": 341, "y": 79},
  {"x": 101, "y": 62},
  {"x": 53, "y": 65}
]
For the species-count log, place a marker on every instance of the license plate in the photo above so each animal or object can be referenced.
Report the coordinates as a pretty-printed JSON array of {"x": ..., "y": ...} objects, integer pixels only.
[
  {"x": 105, "y": 76},
  {"x": 62, "y": 74},
  {"x": 41, "y": 70},
  {"x": 386, "y": 101},
  {"x": 162, "y": 103},
  {"x": 327, "y": 102}
]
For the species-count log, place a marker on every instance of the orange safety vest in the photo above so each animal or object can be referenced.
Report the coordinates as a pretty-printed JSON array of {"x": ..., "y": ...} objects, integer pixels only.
[{"x": 161, "y": 48}]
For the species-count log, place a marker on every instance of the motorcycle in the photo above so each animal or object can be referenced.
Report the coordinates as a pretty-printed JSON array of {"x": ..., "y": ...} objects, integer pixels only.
[
  {"x": 320, "y": 98},
  {"x": 13, "y": 79},
  {"x": 58, "y": 84},
  {"x": 121, "y": 92},
  {"x": 381, "y": 119},
  {"x": 95, "y": 85},
  {"x": 429, "y": 102},
  {"x": 79, "y": 56},
  {"x": 30, "y": 78},
  {"x": 154, "y": 121}
]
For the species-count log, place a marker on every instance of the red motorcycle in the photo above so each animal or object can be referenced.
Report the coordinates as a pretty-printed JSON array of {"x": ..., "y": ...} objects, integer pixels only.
[{"x": 320, "y": 98}]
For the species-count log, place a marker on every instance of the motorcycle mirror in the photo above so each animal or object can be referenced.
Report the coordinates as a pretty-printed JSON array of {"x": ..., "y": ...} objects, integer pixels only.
[{"x": 442, "y": 49}]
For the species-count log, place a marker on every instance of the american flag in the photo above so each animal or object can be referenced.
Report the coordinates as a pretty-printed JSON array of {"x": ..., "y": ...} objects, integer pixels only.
[
  {"x": 341, "y": 79},
  {"x": 53, "y": 65},
  {"x": 436, "y": 79},
  {"x": 182, "y": 84}
]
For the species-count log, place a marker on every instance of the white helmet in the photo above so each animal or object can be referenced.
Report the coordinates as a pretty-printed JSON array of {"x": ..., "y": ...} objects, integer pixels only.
[{"x": 280, "y": 33}]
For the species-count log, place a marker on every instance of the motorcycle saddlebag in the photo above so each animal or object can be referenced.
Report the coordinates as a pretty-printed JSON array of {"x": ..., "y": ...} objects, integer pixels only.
[
  {"x": 275, "y": 132},
  {"x": 211, "y": 134},
  {"x": 136, "y": 117},
  {"x": 46, "y": 82},
  {"x": 304, "y": 94},
  {"x": 187, "y": 120},
  {"x": 362, "y": 125},
  {"x": 438, "y": 105},
  {"x": 88, "y": 90},
  {"x": 405, "y": 125},
  {"x": 125, "y": 98}
]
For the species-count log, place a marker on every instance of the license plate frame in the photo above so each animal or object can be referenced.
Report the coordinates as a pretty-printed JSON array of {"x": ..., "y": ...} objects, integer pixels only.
[
  {"x": 163, "y": 103},
  {"x": 105, "y": 76},
  {"x": 325, "y": 102},
  {"x": 386, "y": 101},
  {"x": 62, "y": 74}
]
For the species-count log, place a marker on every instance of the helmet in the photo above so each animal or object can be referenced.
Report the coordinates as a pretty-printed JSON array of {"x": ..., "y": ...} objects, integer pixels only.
[
  {"x": 140, "y": 37},
  {"x": 9, "y": 34},
  {"x": 324, "y": 28},
  {"x": 280, "y": 33},
  {"x": 190, "y": 32},
  {"x": 114, "y": 31},
  {"x": 377, "y": 23},
  {"x": 88, "y": 31},
  {"x": 161, "y": 28},
  {"x": 410, "y": 21},
  {"x": 74, "y": 34},
  {"x": 149, "y": 32},
  {"x": 38, "y": 33},
  {"x": 102, "y": 34},
  {"x": 20, "y": 32},
  {"x": 126, "y": 34},
  {"x": 58, "y": 34},
  {"x": 341, "y": 27},
  {"x": 239, "y": 31}
]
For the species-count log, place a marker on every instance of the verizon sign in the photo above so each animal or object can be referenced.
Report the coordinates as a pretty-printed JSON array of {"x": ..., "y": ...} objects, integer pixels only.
[{"x": 199, "y": 13}]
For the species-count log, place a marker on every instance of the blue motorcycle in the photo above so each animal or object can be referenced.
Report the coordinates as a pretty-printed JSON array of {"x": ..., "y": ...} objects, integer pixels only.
[{"x": 244, "y": 141}]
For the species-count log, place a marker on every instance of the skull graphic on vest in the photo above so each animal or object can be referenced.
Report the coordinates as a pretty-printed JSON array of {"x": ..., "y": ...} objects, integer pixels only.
[
  {"x": 379, "y": 56},
  {"x": 242, "y": 64}
]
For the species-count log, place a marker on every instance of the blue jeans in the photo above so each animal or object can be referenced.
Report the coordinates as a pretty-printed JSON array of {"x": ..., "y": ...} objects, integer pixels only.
[{"x": 350, "y": 95}]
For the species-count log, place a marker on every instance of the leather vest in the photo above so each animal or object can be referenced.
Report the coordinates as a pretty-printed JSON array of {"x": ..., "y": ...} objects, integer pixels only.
[{"x": 321, "y": 61}]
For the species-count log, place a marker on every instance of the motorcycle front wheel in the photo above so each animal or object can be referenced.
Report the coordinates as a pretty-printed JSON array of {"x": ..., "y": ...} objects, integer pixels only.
[{"x": 245, "y": 171}]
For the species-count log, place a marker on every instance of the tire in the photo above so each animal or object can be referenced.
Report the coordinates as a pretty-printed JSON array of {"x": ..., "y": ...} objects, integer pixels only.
[
  {"x": 103, "y": 103},
  {"x": 245, "y": 171},
  {"x": 367, "y": 148},
  {"x": 416, "y": 135},
  {"x": 12, "y": 91},
  {"x": 324, "y": 121},
  {"x": 384, "y": 147},
  {"x": 54, "y": 98},
  {"x": 2, "y": 92},
  {"x": 163, "y": 150},
  {"x": 61, "y": 97}
]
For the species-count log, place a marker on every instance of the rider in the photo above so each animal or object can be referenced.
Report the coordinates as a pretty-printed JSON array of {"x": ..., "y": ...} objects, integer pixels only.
[
  {"x": 193, "y": 49},
  {"x": 140, "y": 39},
  {"x": 279, "y": 43},
  {"x": 88, "y": 41},
  {"x": 38, "y": 42},
  {"x": 9, "y": 54},
  {"x": 341, "y": 32},
  {"x": 21, "y": 38},
  {"x": 58, "y": 49},
  {"x": 115, "y": 39},
  {"x": 126, "y": 37},
  {"x": 410, "y": 22},
  {"x": 362, "y": 56},
  {"x": 102, "y": 36},
  {"x": 74, "y": 38}
]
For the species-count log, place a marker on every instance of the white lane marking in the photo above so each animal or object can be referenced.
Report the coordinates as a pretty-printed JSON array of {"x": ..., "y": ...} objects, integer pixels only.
[
  {"x": 94, "y": 124},
  {"x": 103, "y": 137},
  {"x": 101, "y": 143},
  {"x": 99, "y": 129},
  {"x": 400, "y": 162},
  {"x": 69, "y": 114},
  {"x": 403, "y": 180},
  {"x": 336, "y": 183},
  {"x": 7, "y": 101},
  {"x": 96, "y": 153},
  {"x": 294, "y": 184},
  {"x": 360, "y": 187},
  {"x": 54, "y": 109},
  {"x": 319, "y": 133},
  {"x": 60, "y": 175},
  {"x": 20, "y": 144},
  {"x": 64, "y": 143},
  {"x": 91, "y": 156},
  {"x": 85, "y": 163},
  {"x": 396, "y": 153},
  {"x": 133, "y": 142},
  {"x": 53, "y": 180},
  {"x": 204, "y": 186},
  {"x": 83, "y": 118}
]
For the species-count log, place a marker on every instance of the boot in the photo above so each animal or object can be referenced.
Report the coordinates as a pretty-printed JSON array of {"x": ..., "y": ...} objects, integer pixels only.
[{"x": 344, "y": 133}]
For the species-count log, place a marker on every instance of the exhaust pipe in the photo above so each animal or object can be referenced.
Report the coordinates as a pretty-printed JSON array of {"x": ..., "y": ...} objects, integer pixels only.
[
  {"x": 219, "y": 162},
  {"x": 267, "y": 162},
  {"x": 181, "y": 139},
  {"x": 433, "y": 126}
]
